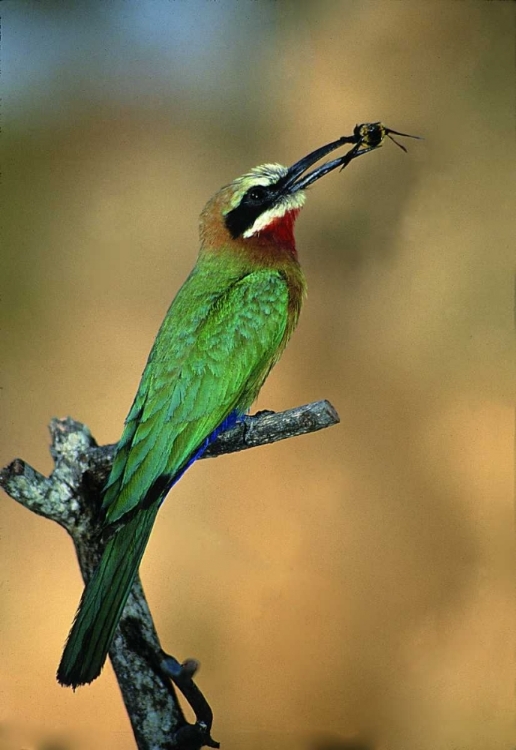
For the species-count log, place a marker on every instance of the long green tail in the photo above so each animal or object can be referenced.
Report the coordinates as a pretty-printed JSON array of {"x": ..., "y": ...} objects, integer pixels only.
[{"x": 103, "y": 601}]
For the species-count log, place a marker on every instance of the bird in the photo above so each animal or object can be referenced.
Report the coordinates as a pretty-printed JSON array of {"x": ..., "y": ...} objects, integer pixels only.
[{"x": 223, "y": 333}]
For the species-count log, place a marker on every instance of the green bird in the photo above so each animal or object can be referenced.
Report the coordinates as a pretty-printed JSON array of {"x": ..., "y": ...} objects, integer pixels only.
[{"x": 222, "y": 334}]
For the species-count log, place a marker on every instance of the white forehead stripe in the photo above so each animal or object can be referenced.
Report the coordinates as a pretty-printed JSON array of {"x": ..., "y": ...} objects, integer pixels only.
[
  {"x": 265, "y": 175},
  {"x": 287, "y": 203}
]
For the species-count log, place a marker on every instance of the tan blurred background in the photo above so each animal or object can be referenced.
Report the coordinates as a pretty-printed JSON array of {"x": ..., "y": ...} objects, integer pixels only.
[{"x": 355, "y": 584}]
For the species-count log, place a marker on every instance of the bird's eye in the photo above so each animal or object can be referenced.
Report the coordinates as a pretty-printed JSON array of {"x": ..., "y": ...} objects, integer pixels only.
[{"x": 257, "y": 194}]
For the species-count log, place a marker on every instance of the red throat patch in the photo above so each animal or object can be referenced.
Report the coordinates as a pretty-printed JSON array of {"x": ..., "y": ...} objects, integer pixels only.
[{"x": 281, "y": 232}]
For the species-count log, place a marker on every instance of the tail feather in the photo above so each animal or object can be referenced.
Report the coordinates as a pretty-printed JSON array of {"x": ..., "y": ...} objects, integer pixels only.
[{"x": 103, "y": 601}]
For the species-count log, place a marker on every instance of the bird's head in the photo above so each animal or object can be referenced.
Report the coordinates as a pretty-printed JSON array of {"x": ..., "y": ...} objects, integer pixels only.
[{"x": 258, "y": 210}]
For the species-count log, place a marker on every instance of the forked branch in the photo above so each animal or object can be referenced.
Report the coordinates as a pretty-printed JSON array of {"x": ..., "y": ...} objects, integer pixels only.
[{"x": 71, "y": 496}]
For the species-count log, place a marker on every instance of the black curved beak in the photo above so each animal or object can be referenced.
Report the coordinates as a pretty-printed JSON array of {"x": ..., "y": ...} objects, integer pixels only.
[{"x": 366, "y": 137}]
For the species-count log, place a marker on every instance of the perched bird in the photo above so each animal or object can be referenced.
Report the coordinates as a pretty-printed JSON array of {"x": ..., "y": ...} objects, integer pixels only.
[{"x": 224, "y": 331}]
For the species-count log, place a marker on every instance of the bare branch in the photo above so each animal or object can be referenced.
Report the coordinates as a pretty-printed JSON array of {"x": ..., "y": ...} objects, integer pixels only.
[
  {"x": 270, "y": 427},
  {"x": 71, "y": 496}
]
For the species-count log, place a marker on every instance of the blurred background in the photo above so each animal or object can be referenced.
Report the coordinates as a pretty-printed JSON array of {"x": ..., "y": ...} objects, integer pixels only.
[{"x": 351, "y": 589}]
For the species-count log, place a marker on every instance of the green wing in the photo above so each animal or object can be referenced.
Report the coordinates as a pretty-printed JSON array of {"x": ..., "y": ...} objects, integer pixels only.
[{"x": 208, "y": 360}]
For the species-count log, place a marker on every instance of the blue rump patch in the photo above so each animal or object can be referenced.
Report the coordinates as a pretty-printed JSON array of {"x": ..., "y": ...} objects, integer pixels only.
[{"x": 230, "y": 420}]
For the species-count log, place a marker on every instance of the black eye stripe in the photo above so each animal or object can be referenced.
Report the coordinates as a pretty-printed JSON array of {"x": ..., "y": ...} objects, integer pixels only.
[
  {"x": 255, "y": 201},
  {"x": 257, "y": 194}
]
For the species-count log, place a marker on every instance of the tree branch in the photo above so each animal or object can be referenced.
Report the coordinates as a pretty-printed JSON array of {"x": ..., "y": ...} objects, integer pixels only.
[{"x": 71, "y": 496}]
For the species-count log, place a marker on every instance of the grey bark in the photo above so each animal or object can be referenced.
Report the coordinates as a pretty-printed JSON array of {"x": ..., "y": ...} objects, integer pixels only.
[{"x": 71, "y": 496}]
